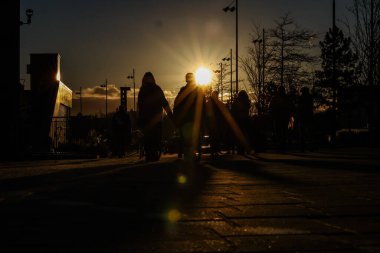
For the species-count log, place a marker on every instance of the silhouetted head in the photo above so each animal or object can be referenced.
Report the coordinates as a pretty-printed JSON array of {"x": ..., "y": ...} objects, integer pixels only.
[
  {"x": 242, "y": 95},
  {"x": 215, "y": 94},
  {"x": 281, "y": 90},
  {"x": 305, "y": 91},
  {"x": 148, "y": 78},
  {"x": 121, "y": 108},
  {"x": 190, "y": 78}
]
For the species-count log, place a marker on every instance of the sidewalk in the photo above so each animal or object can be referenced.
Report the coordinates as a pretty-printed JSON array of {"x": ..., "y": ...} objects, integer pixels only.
[{"x": 308, "y": 202}]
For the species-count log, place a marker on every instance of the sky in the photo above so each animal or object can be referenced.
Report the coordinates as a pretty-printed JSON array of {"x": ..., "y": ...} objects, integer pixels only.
[{"x": 102, "y": 40}]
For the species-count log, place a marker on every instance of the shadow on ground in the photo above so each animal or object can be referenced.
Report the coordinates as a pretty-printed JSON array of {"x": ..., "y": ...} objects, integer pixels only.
[
  {"x": 337, "y": 162},
  {"x": 102, "y": 209}
]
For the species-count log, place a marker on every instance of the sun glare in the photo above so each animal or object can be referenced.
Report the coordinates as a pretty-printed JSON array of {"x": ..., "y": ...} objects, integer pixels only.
[{"x": 203, "y": 76}]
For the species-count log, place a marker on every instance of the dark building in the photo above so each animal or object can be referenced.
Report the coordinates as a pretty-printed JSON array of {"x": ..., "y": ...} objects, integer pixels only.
[
  {"x": 10, "y": 86},
  {"x": 51, "y": 102}
]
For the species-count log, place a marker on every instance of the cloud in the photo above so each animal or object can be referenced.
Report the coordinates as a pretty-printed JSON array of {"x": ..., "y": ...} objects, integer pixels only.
[
  {"x": 113, "y": 92},
  {"x": 93, "y": 99}
]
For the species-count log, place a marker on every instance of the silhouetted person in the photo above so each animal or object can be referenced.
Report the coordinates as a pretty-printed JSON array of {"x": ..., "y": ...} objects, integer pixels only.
[
  {"x": 121, "y": 131},
  {"x": 228, "y": 132},
  {"x": 258, "y": 133},
  {"x": 150, "y": 102},
  {"x": 215, "y": 122},
  {"x": 280, "y": 110},
  {"x": 188, "y": 116},
  {"x": 240, "y": 111},
  {"x": 304, "y": 118}
]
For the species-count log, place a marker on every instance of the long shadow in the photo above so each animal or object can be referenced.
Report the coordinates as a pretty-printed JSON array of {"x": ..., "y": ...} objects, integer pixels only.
[
  {"x": 327, "y": 164},
  {"x": 338, "y": 156},
  {"x": 98, "y": 209},
  {"x": 252, "y": 168}
]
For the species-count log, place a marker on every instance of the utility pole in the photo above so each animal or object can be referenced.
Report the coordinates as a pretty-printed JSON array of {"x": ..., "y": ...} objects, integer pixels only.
[
  {"x": 80, "y": 100},
  {"x": 105, "y": 85},
  {"x": 134, "y": 91},
  {"x": 237, "y": 47},
  {"x": 261, "y": 91},
  {"x": 106, "y": 97},
  {"x": 221, "y": 80},
  {"x": 231, "y": 75},
  {"x": 334, "y": 84},
  {"x": 134, "y": 88},
  {"x": 263, "y": 60}
]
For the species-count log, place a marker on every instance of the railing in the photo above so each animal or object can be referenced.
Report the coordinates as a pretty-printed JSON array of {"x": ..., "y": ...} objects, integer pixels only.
[{"x": 59, "y": 131}]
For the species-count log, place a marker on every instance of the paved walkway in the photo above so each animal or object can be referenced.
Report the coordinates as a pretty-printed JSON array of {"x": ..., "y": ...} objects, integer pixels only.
[{"x": 307, "y": 202}]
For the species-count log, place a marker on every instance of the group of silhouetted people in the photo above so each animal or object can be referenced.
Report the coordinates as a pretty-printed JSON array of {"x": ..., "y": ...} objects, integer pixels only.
[
  {"x": 292, "y": 116},
  {"x": 230, "y": 126}
]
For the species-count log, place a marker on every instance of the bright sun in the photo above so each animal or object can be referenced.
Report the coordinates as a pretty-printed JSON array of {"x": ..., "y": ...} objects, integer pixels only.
[{"x": 203, "y": 76}]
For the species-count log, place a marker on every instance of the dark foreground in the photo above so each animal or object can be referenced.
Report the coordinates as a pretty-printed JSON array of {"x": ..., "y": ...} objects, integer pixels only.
[{"x": 311, "y": 202}]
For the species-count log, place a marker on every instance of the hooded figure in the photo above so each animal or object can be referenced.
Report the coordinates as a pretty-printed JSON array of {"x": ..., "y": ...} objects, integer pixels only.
[{"x": 150, "y": 102}]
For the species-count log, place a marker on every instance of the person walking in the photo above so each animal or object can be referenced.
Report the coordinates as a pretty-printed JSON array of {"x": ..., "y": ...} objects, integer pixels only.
[
  {"x": 240, "y": 112},
  {"x": 188, "y": 116},
  {"x": 305, "y": 115},
  {"x": 150, "y": 102},
  {"x": 215, "y": 122},
  {"x": 280, "y": 110}
]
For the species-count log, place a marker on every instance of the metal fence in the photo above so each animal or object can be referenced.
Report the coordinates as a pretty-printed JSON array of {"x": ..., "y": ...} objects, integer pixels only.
[{"x": 59, "y": 131}]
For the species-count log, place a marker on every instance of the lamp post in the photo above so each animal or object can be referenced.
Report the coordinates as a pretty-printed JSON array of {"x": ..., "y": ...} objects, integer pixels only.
[
  {"x": 232, "y": 8},
  {"x": 80, "y": 100},
  {"x": 105, "y": 85},
  {"x": 29, "y": 14},
  {"x": 261, "y": 68},
  {"x": 220, "y": 86},
  {"x": 230, "y": 59},
  {"x": 258, "y": 64},
  {"x": 134, "y": 89}
]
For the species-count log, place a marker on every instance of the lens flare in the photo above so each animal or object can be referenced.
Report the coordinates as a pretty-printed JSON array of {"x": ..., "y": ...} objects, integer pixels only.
[
  {"x": 182, "y": 179},
  {"x": 174, "y": 215},
  {"x": 203, "y": 76}
]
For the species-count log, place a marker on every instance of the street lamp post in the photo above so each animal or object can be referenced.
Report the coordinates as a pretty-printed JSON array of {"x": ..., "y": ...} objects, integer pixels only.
[
  {"x": 230, "y": 59},
  {"x": 29, "y": 14},
  {"x": 105, "y": 85},
  {"x": 80, "y": 99},
  {"x": 220, "y": 86},
  {"x": 263, "y": 61},
  {"x": 232, "y": 8},
  {"x": 261, "y": 68},
  {"x": 258, "y": 63},
  {"x": 134, "y": 89}
]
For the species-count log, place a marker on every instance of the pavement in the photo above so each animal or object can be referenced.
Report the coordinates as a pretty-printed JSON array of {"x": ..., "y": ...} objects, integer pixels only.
[{"x": 324, "y": 201}]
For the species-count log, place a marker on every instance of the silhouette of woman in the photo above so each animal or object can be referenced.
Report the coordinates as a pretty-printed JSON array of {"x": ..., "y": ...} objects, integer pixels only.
[
  {"x": 150, "y": 102},
  {"x": 280, "y": 109},
  {"x": 240, "y": 111}
]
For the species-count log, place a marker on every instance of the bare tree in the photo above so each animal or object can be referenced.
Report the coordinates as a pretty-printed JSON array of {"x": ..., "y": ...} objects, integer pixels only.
[
  {"x": 281, "y": 56},
  {"x": 366, "y": 38},
  {"x": 366, "y": 41},
  {"x": 254, "y": 64},
  {"x": 291, "y": 53},
  {"x": 221, "y": 80}
]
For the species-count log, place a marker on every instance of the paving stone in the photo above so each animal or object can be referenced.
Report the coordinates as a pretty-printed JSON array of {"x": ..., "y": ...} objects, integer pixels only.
[
  {"x": 291, "y": 243},
  {"x": 274, "y": 203},
  {"x": 278, "y": 210},
  {"x": 278, "y": 226},
  {"x": 359, "y": 225}
]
